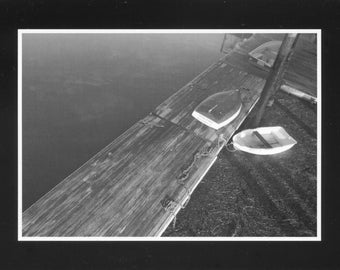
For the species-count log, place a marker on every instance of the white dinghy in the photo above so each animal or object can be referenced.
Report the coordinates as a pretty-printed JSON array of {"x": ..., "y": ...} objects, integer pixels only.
[
  {"x": 264, "y": 56},
  {"x": 263, "y": 140},
  {"x": 219, "y": 109}
]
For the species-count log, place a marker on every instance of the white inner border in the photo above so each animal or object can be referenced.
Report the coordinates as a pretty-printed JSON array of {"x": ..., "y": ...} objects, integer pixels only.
[{"x": 172, "y": 31}]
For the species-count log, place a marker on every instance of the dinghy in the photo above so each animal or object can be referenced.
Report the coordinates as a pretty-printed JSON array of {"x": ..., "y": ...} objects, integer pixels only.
[
  {"x": 263, "y": 140},
  {"x": 264, "y": 56},
  {"x": 219, "y": 109}
]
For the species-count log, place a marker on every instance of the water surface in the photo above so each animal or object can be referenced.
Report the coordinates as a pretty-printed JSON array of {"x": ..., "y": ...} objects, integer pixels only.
[{"x": 81, "y": 91}]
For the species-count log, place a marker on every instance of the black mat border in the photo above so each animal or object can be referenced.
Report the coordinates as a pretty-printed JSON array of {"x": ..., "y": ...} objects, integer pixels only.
[{"x": 170, "y": 15}]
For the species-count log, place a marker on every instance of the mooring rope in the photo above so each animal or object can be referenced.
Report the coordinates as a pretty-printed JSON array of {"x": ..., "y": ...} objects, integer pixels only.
[
  {"x": 170, "y": 204},
  {"x": 221, "y": 139},
  {"x": 227, "y": 145},
  {"x": 207, "y": 151},
  {"x": 230, "y": 149}
]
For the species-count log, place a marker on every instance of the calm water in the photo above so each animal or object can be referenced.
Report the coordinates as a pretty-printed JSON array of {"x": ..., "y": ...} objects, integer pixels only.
[{"x": 81, "y": 91}]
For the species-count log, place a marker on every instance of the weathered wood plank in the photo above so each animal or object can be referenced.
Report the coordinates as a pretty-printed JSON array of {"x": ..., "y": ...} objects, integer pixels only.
[{"x": 124, "y": 180}]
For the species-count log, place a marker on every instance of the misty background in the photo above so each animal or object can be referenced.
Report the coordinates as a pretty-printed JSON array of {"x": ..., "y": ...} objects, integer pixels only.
[{"x": 81, "y": 91}]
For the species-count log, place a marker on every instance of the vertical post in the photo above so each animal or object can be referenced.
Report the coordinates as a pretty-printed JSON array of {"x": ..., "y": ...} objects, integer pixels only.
[
  {"x": 274, "y": 79},
  {"x": 222, "y": 46}
]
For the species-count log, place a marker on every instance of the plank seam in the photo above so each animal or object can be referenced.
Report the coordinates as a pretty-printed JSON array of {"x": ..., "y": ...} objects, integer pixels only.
[{"x": 181, "y": 127}]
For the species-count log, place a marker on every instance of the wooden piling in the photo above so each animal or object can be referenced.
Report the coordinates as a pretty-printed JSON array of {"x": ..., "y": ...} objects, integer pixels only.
[{"x": 274, "y": 79}]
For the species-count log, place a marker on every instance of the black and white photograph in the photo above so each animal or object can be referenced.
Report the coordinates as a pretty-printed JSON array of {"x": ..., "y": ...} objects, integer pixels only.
[{"x": 169, "y": 135}]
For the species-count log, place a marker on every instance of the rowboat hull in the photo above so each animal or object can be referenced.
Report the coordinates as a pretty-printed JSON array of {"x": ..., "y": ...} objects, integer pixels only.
[
  {"x": 219, "y": 109},
  {"x": 264, "y": 56},
  {"x": 263, "y": 141}
]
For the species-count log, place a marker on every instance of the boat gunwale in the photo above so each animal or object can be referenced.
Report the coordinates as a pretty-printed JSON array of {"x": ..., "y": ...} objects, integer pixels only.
[
  {"x": 288, "y": 141},
  {"x": 210, "y": 123}
]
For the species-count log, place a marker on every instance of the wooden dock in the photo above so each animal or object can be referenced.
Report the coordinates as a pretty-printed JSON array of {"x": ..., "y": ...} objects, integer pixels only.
[{"x": 137, "y": 184}]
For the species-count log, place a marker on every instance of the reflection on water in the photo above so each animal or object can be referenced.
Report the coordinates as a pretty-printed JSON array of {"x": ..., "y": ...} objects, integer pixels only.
[{"x": 81, "y": 91}]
